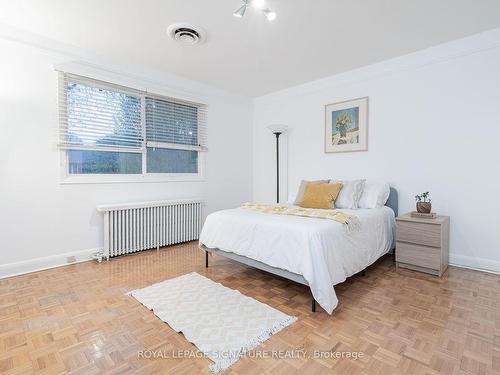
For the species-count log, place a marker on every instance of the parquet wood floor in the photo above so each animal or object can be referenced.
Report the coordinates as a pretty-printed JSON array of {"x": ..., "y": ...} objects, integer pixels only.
[{"x": 78, "y": 320}]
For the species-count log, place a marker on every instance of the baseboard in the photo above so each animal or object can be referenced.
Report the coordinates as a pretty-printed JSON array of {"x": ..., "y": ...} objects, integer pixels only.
[
  {"x": 473, "y": 263},
  {"x": 40, "y": 264},
  {"x": 45, "y": 263}
]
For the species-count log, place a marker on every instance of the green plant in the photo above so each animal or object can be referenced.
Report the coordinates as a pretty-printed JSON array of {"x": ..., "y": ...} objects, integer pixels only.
[{"x": 424, "y": 197}]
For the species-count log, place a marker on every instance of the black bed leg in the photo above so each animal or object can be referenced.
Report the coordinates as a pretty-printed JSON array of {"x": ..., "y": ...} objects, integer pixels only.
[
  {"x": 206, "y": 259},
  {"x": 313, "y": 304}
]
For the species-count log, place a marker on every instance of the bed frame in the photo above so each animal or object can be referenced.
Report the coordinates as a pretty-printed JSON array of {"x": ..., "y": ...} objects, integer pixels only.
[{"x": 392, "y": 202}]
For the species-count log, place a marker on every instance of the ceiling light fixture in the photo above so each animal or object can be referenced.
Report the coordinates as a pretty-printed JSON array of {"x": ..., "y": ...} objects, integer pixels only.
[
  {"x": 270, "y": 15},
  {"x": 240, "y": 12},
  {"x": 259, "y": 4}
]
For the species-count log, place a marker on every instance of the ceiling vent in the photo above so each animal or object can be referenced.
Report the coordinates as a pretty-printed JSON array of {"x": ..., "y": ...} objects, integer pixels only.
[{"x": 186, "y": 34}]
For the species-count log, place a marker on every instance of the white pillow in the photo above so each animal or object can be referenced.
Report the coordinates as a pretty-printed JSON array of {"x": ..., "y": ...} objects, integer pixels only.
[
  {"x": 350, "y": 193},
  {"x": 375, "y": 194}
]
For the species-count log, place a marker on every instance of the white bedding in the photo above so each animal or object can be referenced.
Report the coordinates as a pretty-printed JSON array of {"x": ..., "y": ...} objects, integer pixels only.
[{"x": 323, "y": 251}]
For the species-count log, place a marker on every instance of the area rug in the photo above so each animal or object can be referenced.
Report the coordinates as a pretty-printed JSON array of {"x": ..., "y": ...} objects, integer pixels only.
[{"x": 222, "y": 323}]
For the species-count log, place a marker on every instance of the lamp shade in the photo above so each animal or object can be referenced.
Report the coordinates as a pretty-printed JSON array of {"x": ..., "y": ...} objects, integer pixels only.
[{"x": 278, "y": 128}]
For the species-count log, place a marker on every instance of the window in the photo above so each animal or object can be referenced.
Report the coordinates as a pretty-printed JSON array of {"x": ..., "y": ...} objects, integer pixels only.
[
  {"x": 112, "y": 130},
  {"x": 172, "y": 136}
]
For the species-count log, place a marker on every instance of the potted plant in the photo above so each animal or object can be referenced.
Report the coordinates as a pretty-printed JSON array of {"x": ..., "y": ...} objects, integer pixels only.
[{"x": 424, "y": 205}]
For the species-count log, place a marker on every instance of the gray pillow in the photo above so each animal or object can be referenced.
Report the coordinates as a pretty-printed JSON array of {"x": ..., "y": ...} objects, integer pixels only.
[{"x": 302, "y": 190}]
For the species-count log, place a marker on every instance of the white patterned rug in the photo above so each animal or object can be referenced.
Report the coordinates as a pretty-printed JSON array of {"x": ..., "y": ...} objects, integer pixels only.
[{"x": 223, "y": 323}]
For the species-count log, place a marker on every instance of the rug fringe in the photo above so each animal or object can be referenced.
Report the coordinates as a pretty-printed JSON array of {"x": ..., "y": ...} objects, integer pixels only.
[{"x": 225, "y": 363}]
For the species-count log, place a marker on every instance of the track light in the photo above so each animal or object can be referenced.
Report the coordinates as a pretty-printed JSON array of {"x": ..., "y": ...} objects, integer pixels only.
[
  {"x": 259, "y": 4},
  {"x": 270, "y": 15},
  {"x": 240, "y": 12}
]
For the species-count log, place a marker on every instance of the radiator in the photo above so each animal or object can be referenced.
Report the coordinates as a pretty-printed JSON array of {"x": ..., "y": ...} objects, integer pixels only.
[{"x": 133, "y": 227}]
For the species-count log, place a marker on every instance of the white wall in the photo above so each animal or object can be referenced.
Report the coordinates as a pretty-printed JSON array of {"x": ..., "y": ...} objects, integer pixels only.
[
  {"x": 39, "y": 217},
  {"x": 434, "y": 125}
]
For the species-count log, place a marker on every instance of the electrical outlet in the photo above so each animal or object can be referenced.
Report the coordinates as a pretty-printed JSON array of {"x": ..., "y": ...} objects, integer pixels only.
[{"x": 71, "y": 259}]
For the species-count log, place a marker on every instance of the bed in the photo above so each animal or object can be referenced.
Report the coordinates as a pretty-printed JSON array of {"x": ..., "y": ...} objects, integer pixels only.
[{"x": 315, "y": 252}]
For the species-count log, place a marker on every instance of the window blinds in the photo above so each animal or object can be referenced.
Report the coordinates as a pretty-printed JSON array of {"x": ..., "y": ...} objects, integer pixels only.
[
  {"x": 175, "y": 124},
  {"x": 97, "y": 115}
]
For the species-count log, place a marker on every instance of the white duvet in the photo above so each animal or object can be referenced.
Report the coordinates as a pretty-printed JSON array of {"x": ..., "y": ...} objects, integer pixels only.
[{"x": 323, "y": 251}]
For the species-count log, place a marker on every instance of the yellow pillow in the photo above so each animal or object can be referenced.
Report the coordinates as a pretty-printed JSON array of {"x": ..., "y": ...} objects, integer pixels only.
[{"x": 320, "y": 195}]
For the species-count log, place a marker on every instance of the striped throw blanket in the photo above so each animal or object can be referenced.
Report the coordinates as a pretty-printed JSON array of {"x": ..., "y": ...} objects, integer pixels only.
[{"x": 352, "y": 222}]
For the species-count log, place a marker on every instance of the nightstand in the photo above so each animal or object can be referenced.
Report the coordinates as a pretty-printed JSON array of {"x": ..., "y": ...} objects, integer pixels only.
[{"x": 422, "y": 244}]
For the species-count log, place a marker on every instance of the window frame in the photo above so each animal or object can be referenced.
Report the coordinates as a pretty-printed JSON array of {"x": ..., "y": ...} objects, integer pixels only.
[
  {"x": 144, "y": 177},
  {"x": 103, "y": 178}
]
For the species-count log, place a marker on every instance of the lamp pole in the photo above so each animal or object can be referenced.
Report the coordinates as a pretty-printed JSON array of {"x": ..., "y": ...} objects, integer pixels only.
[
  {"x": 277, "y": 134},
  {"x": 278, "y": 130}
]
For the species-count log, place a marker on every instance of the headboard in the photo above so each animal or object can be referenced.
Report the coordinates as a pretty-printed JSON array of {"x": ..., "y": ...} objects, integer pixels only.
[{"x": 392, "y": 202}]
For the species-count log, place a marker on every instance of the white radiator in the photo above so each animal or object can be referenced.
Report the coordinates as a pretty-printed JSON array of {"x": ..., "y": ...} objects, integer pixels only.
[{"x": 134, "y": 227}]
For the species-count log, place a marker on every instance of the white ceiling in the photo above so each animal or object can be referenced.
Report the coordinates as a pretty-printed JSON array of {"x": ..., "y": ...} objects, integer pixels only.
[{"x": 309, "y": 40}]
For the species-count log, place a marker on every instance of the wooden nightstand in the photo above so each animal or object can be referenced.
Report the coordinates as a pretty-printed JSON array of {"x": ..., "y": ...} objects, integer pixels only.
[{"x": 422, "y": 244}]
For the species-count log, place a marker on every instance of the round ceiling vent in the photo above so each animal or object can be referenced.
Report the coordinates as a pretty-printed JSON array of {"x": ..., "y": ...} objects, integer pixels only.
[{"x": 186, "y": 33}]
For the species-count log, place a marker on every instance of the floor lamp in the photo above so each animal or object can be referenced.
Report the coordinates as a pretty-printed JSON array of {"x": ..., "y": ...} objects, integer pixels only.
[{"x": 277, "y": 130}]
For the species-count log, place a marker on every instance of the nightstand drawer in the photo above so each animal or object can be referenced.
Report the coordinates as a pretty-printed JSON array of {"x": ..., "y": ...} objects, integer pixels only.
[
  {"x": 419, "y": 233},
  {"x": 423, "y": 256}
]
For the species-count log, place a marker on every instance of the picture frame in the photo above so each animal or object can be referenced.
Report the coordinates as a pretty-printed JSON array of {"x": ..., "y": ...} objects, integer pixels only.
[{"x": 346, "y": 126}]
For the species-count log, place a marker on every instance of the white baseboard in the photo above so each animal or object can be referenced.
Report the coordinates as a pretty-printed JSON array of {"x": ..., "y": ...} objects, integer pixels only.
[
  {"x": 473, "y": 263},
  {"x": 40, "y": 264}
]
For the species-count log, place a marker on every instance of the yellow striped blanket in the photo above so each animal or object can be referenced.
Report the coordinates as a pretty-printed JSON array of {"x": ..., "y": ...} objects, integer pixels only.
[{"x": 349, "y": 220}]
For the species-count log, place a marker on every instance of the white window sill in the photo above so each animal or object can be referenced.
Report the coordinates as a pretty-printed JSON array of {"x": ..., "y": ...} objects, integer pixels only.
[{"x": 125, "y": 179}]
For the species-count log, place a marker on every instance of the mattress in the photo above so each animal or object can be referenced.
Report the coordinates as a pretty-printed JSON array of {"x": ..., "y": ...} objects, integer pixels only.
[{"x": 324, "y": 252}]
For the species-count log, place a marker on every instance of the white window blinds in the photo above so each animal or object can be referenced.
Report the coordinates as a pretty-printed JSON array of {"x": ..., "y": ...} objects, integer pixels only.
[
  {"x": 99, "y": 116},
  {"x": 175, "y": 124},
  {"x": 96, "y": 115}
]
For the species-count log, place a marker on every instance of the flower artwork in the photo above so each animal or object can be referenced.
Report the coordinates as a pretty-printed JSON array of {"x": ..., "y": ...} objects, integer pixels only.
[{"x": 346, "y": 126}]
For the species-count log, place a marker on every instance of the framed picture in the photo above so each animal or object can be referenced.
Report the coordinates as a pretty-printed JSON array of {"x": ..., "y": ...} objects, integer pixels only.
[{"x": 346, "y": 126}]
